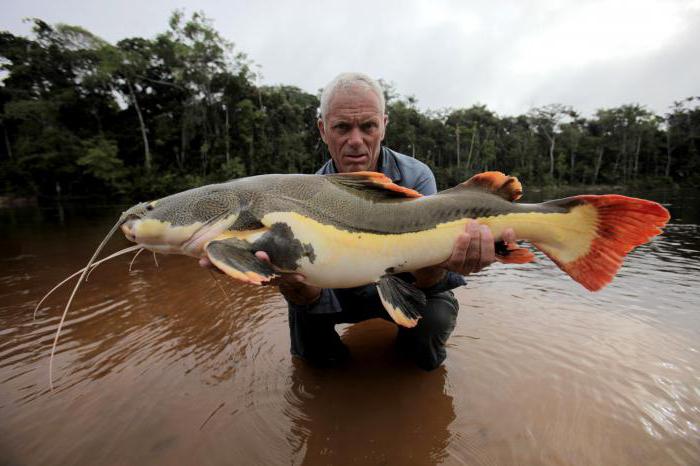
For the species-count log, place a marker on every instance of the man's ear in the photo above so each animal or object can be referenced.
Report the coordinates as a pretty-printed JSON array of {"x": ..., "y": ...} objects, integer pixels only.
[
  {"x": 322, "y": 129},
  {"x": 386, "y": 123}
]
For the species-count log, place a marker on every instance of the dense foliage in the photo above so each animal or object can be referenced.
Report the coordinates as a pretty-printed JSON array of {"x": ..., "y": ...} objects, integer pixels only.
[{"x": 83, "y": 117}]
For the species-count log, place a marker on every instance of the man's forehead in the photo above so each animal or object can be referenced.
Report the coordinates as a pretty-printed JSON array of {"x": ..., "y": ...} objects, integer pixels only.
[
  {"x": 355, "y": 102},
  {"x": 347, "y": 115}
]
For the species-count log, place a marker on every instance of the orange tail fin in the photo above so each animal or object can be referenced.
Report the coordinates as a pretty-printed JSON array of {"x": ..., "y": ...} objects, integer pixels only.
[{"x": 615, "y": 226}]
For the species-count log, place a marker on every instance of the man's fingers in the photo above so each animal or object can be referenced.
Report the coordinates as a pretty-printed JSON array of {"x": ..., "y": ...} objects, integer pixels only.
[
  {"x": 284, "y": 277},
  {"x": 473, "y": 255},
  {"x": 204, "y": 262},
  {"x": 488, "y": 251},
  {"x": 262, "y": 255},
  {"x": 509, "y": 236},
  {"x": 459, "y": 251}
]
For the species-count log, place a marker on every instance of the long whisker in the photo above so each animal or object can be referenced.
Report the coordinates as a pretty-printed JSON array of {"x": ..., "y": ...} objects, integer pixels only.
[
  {"x": 70, "y": 300},
  {"x": 134, "y": 258},
  {"x": 218, "y": 283},
  {"x": 154, "y": 259},
  {"x": 102, "y": 261},
  {"x": 94, "y": 266}
]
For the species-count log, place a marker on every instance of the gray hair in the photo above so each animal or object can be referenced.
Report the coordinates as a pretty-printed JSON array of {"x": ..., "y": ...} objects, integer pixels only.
[{"x": 348, "y": 81}]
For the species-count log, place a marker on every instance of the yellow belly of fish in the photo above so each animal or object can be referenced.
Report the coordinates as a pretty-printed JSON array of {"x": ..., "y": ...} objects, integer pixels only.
[{"x": 347, "y": 259}]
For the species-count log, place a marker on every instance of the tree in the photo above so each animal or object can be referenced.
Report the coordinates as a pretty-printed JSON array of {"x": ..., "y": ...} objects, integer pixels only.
[{"x": 547, "y": 120}]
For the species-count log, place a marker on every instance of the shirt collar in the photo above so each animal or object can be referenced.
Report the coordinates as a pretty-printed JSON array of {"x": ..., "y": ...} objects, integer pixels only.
[{"x": 386, "y": 164}]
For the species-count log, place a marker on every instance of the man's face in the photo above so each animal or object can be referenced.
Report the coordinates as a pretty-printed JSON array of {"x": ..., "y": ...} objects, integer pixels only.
[{"x": 354, "y": 129}]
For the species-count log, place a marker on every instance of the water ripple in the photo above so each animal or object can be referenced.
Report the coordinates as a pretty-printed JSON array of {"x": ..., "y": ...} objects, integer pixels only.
[{"x": 160, "y": 366}]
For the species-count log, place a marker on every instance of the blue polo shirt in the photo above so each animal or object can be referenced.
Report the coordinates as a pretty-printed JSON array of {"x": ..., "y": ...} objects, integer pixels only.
[{"x": 404, "y": 171}]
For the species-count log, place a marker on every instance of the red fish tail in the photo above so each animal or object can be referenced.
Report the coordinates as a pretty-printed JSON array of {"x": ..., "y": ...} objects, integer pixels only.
[{"x": 614, "y": 226}]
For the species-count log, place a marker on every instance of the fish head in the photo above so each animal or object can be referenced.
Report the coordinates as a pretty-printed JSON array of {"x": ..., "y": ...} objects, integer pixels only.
[{"x": 184, "y": 222}]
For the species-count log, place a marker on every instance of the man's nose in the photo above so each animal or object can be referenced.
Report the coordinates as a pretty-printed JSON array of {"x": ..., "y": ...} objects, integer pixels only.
[{"x": 355, "y": 137}]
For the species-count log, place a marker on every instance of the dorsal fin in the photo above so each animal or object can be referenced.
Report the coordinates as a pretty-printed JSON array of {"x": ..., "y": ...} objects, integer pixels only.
[
  {"x": 508, "y": 187},
  {"x": 374, "y": 183}
]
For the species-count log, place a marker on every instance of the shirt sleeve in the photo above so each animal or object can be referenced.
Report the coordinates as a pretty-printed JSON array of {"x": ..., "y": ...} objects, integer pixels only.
[{"x": 426, "y": 183}]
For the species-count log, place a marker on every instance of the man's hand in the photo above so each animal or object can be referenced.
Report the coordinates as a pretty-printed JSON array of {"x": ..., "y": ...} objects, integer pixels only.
[
  {"x": 473, "y": 250},
  {"x": 291, "y": 285}
]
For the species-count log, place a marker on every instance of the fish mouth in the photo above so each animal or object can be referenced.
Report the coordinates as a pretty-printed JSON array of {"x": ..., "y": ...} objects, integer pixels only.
[
  {"x": 214, "y": 227},
  {"x": 164, "y": 237}
]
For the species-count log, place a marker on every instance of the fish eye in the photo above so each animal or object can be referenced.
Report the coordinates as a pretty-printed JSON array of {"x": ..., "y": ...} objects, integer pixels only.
[{"x": 149, "y": 207}]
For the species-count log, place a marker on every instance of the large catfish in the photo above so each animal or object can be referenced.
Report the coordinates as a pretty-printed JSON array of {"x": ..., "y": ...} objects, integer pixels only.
[{"x": 347, "y": 230}]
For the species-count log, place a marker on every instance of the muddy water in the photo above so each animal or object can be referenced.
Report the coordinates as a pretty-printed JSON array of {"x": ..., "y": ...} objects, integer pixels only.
[{"x": 165, "y": 365}]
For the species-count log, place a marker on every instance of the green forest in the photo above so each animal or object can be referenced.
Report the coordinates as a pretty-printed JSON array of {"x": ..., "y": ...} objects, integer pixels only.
[{"x": 81, "y": 117}]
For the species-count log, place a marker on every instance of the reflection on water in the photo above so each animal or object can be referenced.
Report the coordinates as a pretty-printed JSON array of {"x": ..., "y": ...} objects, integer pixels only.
[
  {"x": 379, "y": 408},
  {"x": 165, "y": 365}
]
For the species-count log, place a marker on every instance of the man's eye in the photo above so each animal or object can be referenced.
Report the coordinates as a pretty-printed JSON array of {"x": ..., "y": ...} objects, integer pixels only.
[
  {"x": 342, "y": 127},
  {"x": 368, "y": 127}
]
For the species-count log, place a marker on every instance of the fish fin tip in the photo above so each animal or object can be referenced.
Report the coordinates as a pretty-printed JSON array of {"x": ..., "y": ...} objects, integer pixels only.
[
  {"x": 507, "y": 187},
  {"x": 378, "y": 182},
  {"x": 402, "y": 301},
  {"x": 238, "y": 262}
]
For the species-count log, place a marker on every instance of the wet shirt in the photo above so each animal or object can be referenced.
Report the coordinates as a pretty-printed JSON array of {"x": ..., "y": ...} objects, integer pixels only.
[{"x": 404, "y": 171}]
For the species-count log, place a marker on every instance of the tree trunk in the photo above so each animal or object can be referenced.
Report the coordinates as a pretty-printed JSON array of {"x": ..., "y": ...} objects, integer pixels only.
[
  {"x": 471, "y": 146},
  {"x": 637, "y": 150},
  {"x": 573, "y": 164},
  {"x": 182, "y": 156},
  {"x": 598, "y": 163},
  {"x": 251, "y": 154},
  {"x": 457, "y": 134},
  {"x": 7, "y": 142},
  {"x": 624, "y": 156},
  {"x": 669, "y": 150},
  {"x": 205, "y": 157},
  {"x": 552, "y": 142},
  {"x": 226, "y": 139},
  {"x": 144, "y": 132}
]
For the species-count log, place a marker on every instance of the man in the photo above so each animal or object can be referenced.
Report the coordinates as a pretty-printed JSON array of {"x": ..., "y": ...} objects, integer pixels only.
[{"x": 352, "y": 124}]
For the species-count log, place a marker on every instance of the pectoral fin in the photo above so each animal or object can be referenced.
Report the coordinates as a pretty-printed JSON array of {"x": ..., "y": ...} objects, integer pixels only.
[
  {"x": 233, "y": 257},
  {"x": 401, "y": 300}
]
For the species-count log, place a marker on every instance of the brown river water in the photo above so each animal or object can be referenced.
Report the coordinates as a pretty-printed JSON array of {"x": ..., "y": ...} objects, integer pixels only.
[{"x": 166, "y": 365}]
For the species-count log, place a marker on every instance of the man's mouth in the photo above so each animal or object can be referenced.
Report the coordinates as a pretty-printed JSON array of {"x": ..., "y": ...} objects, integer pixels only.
[{"x": 356, "y": 157}]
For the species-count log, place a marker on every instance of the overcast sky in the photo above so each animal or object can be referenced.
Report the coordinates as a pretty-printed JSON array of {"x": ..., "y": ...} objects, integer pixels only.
[{"x": 509, "y": 55}]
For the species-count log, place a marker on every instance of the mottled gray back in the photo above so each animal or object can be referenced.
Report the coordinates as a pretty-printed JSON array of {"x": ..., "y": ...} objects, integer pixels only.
[{"x": 329, "y": 201}]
